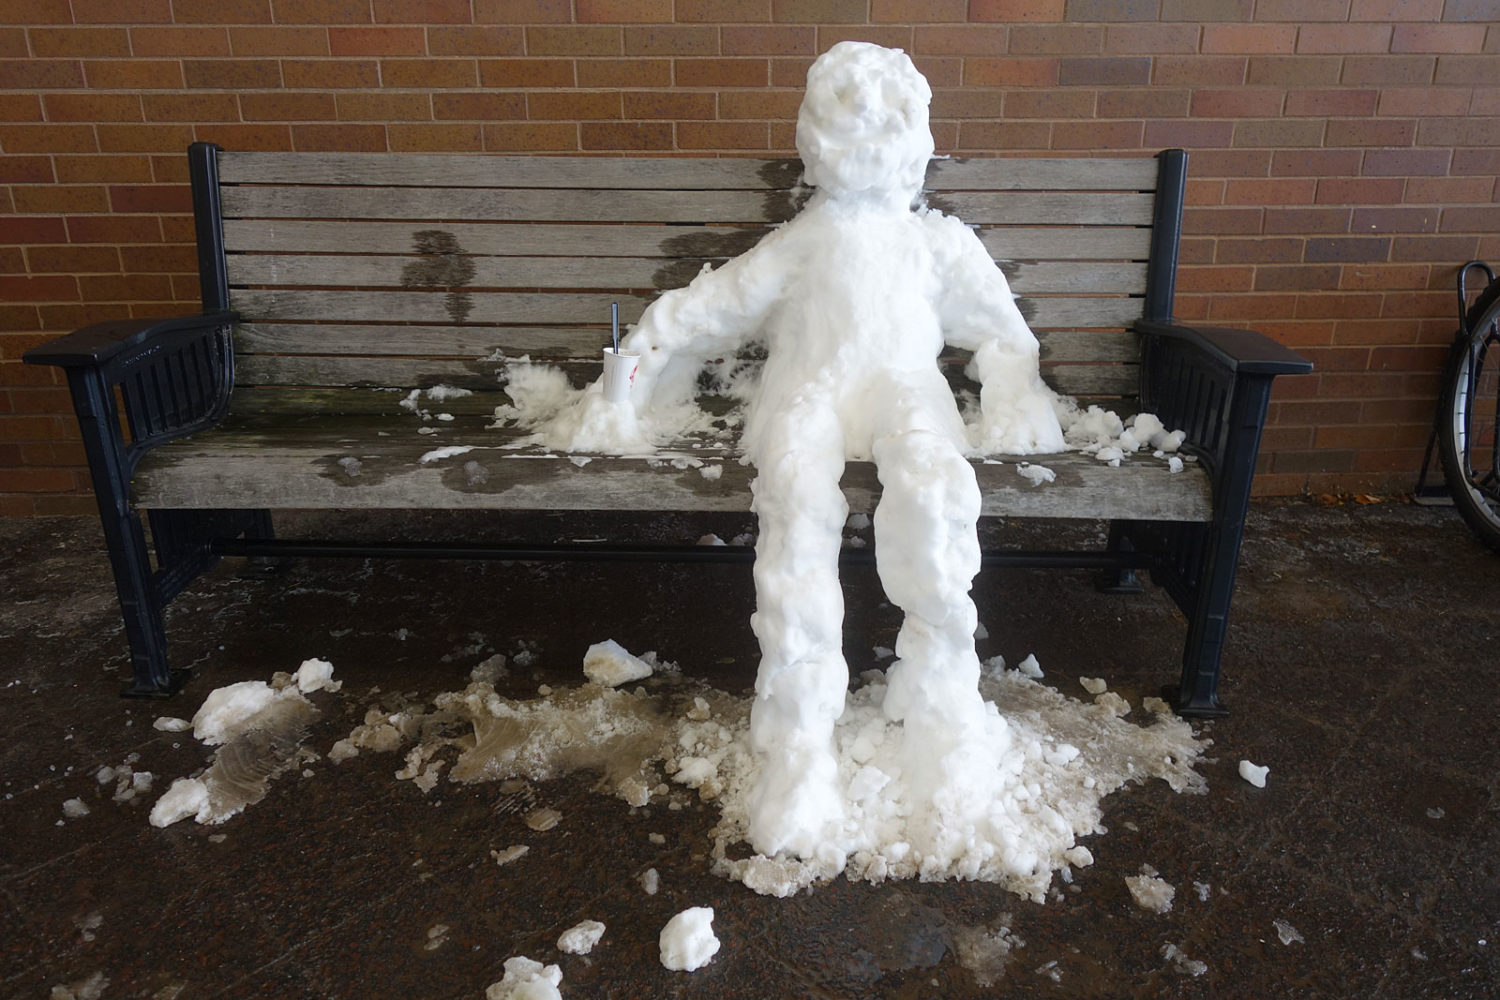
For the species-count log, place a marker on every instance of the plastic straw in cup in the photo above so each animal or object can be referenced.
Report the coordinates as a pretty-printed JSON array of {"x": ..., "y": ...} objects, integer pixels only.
[{"x": 614, "y": 324}]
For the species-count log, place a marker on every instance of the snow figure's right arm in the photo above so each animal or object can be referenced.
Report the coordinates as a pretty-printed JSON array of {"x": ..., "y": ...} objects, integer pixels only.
[{"x": 712, "y": 316}]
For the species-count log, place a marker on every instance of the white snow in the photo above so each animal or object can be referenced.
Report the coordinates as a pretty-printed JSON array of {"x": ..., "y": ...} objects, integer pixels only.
[
  {"x": 75, "y": 808},
  {"x": 1180, "y": 961},
  {"x": 168, "y": 724},
  {"x": 226, "y": 710},
  {"x": 1038, "y": 474},
  {"x": 1093, "y": 685},
  {"x": 316, "y": 675},
  {"x": 1286, "y": 933},
  {"x": 918, "y": 772},
  {"x": 687, "y": 942},
  {"x": 580, "y": 938},
  {"x": 526, "y": 979},
  {"x": 437, "y": 454},
  {"x": 187, "y": 797},
  {"x": 610, "y": 664},
  {"x": 1151, "y": 892},
  {"x": 650, "y": 880},
  {"x": 1253, "y": 773}
]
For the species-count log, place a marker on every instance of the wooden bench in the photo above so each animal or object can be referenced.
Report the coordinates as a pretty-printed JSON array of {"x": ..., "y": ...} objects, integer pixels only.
[{"x": 335, "y": 284}]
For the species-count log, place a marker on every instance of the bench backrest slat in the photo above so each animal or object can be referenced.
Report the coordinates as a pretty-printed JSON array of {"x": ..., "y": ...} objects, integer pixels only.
[
  {"x": 656, "y": 173},
  {"x": 405, "y": 269}
]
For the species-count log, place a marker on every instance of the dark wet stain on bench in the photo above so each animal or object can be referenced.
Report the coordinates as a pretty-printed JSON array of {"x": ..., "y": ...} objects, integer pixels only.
[{"x": 442, "y": 266}]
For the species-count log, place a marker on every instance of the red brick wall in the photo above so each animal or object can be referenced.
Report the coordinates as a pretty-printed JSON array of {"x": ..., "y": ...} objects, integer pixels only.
[{"x": 1344, "y": 153}]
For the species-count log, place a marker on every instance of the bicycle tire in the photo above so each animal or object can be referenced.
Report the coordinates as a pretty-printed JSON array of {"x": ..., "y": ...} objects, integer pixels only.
[{"x": 1472, "y": 380}]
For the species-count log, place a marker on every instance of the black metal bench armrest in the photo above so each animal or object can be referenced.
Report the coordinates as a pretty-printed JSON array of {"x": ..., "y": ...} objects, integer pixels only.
[
  {"x": 1241, "y": 351},
  {"x": 115, "y": 341},
  {"x": 173, "y": 378}
]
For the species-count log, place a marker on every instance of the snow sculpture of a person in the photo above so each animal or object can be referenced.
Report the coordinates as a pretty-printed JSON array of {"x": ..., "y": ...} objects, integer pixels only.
[{"x": 853, "y": 301}]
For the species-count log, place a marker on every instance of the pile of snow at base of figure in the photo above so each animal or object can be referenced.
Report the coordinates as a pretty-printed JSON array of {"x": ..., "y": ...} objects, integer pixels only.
[
  {"x": 259, "y": 729},
  {"x": 1058, "y": 758},
  {"x": 688, "y": 943},
  {"x": 526, "y": 979}
]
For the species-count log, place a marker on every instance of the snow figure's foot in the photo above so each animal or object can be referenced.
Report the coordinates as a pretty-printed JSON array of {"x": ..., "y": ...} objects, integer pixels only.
[
  {"x": 957, "y": 776},
  {"x": 796, "y": 805}
]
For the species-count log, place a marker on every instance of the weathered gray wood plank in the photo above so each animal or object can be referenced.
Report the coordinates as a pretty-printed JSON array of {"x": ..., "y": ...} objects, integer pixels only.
[
  {"x": 397, "y": 270},
  {"x": 481, "y": 376},
  {"x": 639, "y": 240},
  {"x": 300, "y": 468},
  {"x": 1080, "y": 243},
  {"x": 554, "y": 240},
  {"x": 451, "y": 170},
  {"x": 584, "y": 205},
  {"x": 560, "y": 342},
  {"x": 439, "y": 306}
]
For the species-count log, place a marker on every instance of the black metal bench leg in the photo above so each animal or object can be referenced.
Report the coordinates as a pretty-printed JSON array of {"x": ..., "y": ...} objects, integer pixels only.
[
  {"x": 1208, "y": 623},
  {"x": 1119, "y": 581},
  {"x": 124, "y": 537},
  {"x": 1208, "y": 615}
]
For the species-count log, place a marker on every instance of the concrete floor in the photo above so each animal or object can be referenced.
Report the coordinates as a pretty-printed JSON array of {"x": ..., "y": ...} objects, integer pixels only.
[{"x": 1361, "y": 668}]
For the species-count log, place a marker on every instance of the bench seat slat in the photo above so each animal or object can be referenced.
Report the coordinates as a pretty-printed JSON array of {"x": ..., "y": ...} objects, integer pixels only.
[
  {"x": 1057, "y": 173},
  {"x": 645, "y": 240},
  {"x": 298, "y": 466},
  {"x": 585, "y": 205},
  {"x": 388, "y": 372},
  {"x": 398, "y": 270},
  {"x": 438, "y": 306},
  {"x": 555, "y": 343}
]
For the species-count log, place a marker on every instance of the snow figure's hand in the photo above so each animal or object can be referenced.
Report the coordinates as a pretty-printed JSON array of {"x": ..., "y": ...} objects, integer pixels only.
[{"x": 1017, "y": 412}]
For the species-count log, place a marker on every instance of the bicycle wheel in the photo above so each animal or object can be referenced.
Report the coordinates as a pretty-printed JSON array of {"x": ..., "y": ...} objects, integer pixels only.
[{"x": 1469, "y": 431}]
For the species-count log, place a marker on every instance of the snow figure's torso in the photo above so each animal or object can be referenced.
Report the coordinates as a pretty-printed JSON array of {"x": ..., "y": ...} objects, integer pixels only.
[{"x": 855, "y": 320}]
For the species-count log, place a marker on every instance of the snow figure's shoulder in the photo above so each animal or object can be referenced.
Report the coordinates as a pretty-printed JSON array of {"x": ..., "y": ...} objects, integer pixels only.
[{"x": 948, "y": 236}]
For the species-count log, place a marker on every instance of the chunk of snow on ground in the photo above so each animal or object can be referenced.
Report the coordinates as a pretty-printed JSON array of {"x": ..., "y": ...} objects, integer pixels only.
[
  {"x": 609, "y": 664},
  {"x": 75, "y": 808},
  {"x": 1150, "y": 892},
  {"x": 580, "y": 938},
  {"x": 226, "y": 710},
  {"x": 1187, "y": 966},
  {"x": 1436, "y": 812},
  {"x": 168, "y": 724},
  {"x": 1286, "y": 933},
  {"x": 513, "y": 853},
  {"x": 711, "y": 539},
  {"x": 91, "y": 988},
  {"x": 1029, "y": 667},
  {"x": 711, "y": 472},
  {"x": 1203, "y": 889},
  {"x": 187, "y": 797},
  {"x": 650, "y": 880},
  {"x": 526, "y": 979},
  {"x": 687, "y": 942},
  {"x": 985, "y": 952},
  {"x": 316, "y": 675},
  {"x": 1037, "y": 474},
  {"x": 1253, "y": 773},
  {"x": 1093, "y": 685},
  {"x": 543, "y": 819}
]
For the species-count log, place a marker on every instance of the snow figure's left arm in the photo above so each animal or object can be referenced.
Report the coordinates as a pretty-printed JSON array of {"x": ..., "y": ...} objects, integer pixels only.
[{"x": 979, "y": 314}]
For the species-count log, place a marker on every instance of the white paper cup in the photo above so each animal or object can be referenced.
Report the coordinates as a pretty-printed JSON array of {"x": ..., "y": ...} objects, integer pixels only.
[{"x": 619, "y": 374}]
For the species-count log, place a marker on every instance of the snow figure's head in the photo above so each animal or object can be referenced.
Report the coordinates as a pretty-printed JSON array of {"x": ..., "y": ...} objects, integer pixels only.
[{"x": 862, "y": 128}]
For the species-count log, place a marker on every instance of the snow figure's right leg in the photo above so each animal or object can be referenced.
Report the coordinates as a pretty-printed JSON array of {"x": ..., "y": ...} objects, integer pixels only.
[{"x": 795, "y": 804}]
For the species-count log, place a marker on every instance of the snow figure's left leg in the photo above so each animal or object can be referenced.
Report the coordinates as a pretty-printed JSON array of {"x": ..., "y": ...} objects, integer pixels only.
[
  {"x": 927, "y": 554},
  {"x": 796, "y": 804}
]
